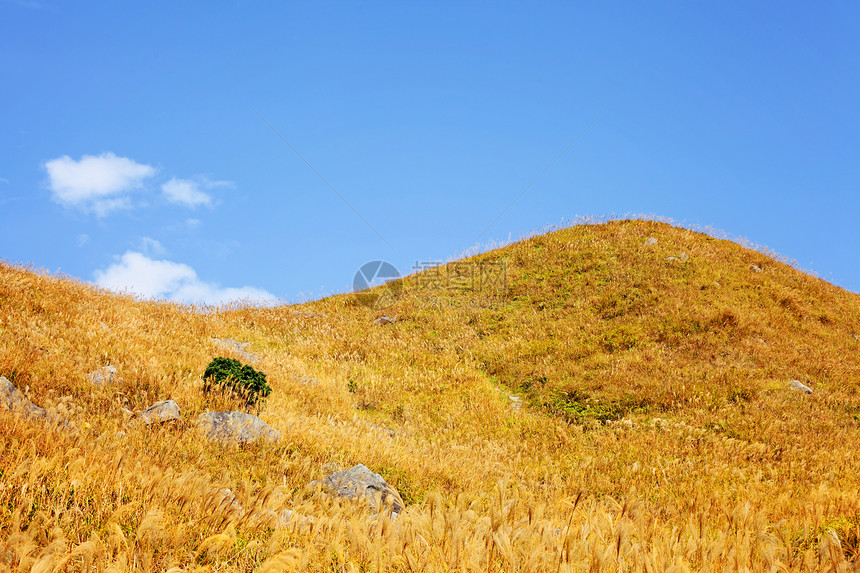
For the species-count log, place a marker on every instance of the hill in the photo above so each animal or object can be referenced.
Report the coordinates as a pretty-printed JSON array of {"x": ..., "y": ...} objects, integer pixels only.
[{"x": 611, "y": 396}]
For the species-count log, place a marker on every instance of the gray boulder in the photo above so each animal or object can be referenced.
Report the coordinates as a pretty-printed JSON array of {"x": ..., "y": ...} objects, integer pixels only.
[
  {"x": 240, "y": 348},
  {"x": 359, "y": 482},
  {"x": 225, "y": 501},
  {"x": 14, "y": 400},
  {"x": 105, "y": 375},
  {"x": 651, "y": 242},
  {"x": 391, "y": 433},
  {"x": 164, "y": 411},
  {"x": 797, "y": 385},
  {"x": 383, "y": 320},
  {"x": 237, "y": 427},
  {"x": 755, "y": 268}
]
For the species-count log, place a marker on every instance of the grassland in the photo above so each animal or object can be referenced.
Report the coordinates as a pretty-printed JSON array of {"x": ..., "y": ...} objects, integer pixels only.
[{"x": 657, "y": 430}]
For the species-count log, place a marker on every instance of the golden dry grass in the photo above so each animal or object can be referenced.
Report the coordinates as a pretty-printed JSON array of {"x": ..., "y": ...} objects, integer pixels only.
[{"x": 657, "y": 432}]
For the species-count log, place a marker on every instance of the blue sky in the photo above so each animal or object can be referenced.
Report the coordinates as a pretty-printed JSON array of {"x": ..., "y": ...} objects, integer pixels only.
[{"x": 136, "y": 152}]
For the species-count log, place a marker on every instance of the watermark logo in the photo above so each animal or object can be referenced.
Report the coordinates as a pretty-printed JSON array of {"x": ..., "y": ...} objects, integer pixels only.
[
  {"x": 484, "y": 283},
  {"x": 489, "y": 277},
  {"x": 374, "y": 274}
]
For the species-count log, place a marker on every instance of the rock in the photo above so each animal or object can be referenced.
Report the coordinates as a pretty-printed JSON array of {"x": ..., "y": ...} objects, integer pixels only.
[
  {"x": 306, "y": 380},
  {"x": 284, "y": 517},
  {"x": 240, "y": 348},
  {"x": 164, "y": 411},
  {"x": 105, "y": 375},
  {"x": 13, "y": 399},
  {"x": 391, "y": 433},
  {"x": 360, "y": 482},
  {"x": 855, "y": 337},
  {"x": 683, "y": 257},
  {"x": 382, "y": 320},
  {"x": 797, "y": 385},
  {"x": 516, "y": 402},
  {"x": 650, "y": 242},
  {"x": 671, "y": 259},
  {"x": 237, "y": 427},
  {"x": 105, "y": 327},
  {"x": 226, "y": 502},
  {"x": 755, "y": 268}
]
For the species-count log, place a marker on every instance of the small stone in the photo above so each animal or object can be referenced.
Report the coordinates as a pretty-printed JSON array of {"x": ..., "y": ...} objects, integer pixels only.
[
  {"x": 306, "y": 380},
  {"x": 516, "y": 402},
  {"x": 105, "y": 327},
  {"x": 671, "y": 259},
  {"x": 105, "y": 375},
  {"x": 360, "y": 482},
  {"x": 13, "y": 399},
  {"x": 240, "y": 348},
  {"x": 797, "y": 385},
  {"x": 391, "y": 433},
  {"x": 384, "y": 320},
  {"x": 755, "y": 268},
  {"x": 683, "y": 257},
  {"x": 237, "y": 427},
  {"x": 226, "y": 501},
  {"x": 650, "y": 242},
  {"x": 164, "y": 411}
]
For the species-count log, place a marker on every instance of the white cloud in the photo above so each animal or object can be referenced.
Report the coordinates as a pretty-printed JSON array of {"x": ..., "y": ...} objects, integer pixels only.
[
  {"x": 190, "y": 191},
  {"x": 98, "y": 183},
  {"x": 3, "y": 180},
  {"x": 150, "y": 245},
  {"x": 186, "y": 192},
  {"x": 83, "y": 239},
  {"x": 160, "y": 279}
]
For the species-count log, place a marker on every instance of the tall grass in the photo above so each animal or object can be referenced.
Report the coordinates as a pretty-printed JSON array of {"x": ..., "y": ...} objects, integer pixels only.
[{"x": 658, "y": 431}]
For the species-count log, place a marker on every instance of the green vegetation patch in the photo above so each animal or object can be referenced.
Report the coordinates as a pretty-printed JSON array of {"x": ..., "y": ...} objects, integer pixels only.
[
  {"x": 230, "y": 374},
  {"x": 578, "y": 407}
]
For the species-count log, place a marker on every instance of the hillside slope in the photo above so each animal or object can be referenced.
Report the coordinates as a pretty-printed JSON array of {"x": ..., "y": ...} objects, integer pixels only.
[{"x": 652, "y": 427}]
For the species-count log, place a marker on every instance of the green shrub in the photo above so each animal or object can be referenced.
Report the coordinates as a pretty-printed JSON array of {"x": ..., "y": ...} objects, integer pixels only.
[
  {"x": 230, "y": 374},
  {"x": 578, "y": 406}
]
